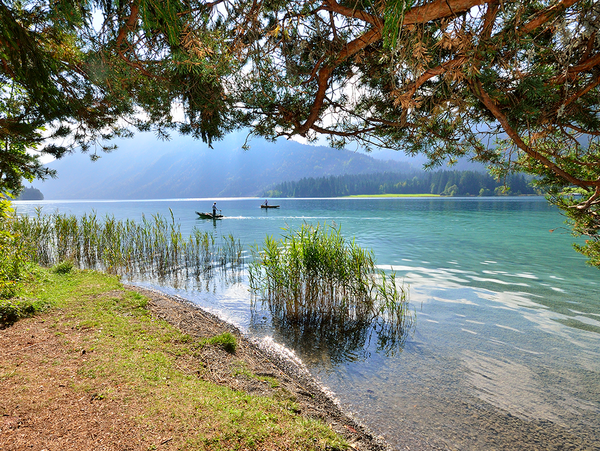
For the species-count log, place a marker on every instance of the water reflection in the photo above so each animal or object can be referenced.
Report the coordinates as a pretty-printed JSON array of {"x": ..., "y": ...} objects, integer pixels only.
[
  {"x": 332, "y": 340},
  {"x": 215, "y": 280}
]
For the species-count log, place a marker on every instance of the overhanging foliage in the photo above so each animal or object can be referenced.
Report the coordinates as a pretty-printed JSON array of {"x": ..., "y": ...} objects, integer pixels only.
[{"x": 514, "y": 84}]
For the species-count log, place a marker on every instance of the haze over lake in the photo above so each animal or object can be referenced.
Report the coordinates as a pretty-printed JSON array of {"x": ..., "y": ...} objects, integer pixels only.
[{"x": 505, "y": 352}]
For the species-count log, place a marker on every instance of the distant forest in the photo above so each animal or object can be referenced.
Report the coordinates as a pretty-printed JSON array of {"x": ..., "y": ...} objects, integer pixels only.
[
  {"x": 445, "y": 183},
  {"x": 30, "y": 194}
]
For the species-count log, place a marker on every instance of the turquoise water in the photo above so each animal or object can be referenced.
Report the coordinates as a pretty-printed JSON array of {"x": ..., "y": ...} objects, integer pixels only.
[{"x": 505, "y": 351}]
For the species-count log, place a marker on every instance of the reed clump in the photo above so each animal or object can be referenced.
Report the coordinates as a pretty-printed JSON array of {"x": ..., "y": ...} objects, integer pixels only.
[
  {"x": 155, "y": 247},
  {"x": 315, "y": 282}
]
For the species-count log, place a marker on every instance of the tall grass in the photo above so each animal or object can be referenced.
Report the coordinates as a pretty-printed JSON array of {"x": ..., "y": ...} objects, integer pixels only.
[
  {"x": 155, "y": 247},
  {"x": 315, "y": 282},
  {"x": 13, "y": 257}
]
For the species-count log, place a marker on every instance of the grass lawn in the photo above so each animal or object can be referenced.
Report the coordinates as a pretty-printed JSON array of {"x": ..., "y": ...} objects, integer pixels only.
[{"x": 96, "y": 370}]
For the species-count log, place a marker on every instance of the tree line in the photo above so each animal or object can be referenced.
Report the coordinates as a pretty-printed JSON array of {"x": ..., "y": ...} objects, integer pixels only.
[{"x": 445, "y": 183}]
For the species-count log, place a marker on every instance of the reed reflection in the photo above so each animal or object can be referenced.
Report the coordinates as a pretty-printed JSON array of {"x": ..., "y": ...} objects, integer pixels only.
[{"x": 335, "y": 339}]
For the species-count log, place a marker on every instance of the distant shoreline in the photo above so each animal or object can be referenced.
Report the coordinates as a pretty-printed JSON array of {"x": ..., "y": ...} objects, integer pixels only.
[
  {"x": 220, "y": 199},
  {"x": 429, "y": 195},
  {"x": 389, "y": 195}
]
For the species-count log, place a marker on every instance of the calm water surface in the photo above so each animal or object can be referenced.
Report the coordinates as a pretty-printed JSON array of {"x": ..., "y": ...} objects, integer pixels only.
[{"x": 505, "y": 352}]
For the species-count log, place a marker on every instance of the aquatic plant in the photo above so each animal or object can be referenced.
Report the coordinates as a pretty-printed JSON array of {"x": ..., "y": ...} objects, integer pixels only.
[
  {"x": 154, "y": 247},
  {"x": 315, "y": 282}
]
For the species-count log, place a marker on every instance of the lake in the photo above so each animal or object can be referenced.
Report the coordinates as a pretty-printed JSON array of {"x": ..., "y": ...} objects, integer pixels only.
[{"x": 505, "y": 348}]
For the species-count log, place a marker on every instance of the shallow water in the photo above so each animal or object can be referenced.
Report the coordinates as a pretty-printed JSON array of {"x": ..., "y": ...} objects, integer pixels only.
[{"x": 506, "y": 345}]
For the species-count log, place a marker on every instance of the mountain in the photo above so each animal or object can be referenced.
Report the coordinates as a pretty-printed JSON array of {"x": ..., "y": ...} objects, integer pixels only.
[{"x": 144, "y": 168}]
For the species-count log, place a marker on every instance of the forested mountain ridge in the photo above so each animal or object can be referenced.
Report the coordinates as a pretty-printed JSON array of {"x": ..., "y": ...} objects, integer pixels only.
[
  {"x": 446, "y": 183},
  {"x": 30, "y": 194},
  {"x": 147, "y": 169}
]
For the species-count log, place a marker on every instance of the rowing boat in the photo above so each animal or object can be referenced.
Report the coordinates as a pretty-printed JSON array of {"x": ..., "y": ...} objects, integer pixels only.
[
  {"x": 208, "y": 215},
  {"x": 269, "y": 206}
]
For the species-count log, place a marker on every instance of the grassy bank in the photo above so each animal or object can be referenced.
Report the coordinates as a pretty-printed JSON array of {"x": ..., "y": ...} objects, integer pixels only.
[{"x": 95, "y": 348}]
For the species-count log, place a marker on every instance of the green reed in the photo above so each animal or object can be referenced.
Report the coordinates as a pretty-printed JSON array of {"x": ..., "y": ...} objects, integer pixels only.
[
  {"x": 315, "y": 278},
  {"x": 154, "y": 247}
]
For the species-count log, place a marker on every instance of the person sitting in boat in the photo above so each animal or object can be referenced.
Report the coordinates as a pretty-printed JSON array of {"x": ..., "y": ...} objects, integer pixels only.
[{"x": 214, "y": 209}]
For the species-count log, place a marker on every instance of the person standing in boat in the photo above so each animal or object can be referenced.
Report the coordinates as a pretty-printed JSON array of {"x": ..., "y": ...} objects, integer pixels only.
[
  {"x": 266, "y": 202},
  {"x": 214, "y": 209}
]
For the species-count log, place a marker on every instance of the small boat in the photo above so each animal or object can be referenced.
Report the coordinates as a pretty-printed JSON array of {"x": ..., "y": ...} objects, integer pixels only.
[
  {"x": 269, "y": 206},
  {"x": 208, "y": 215}
]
